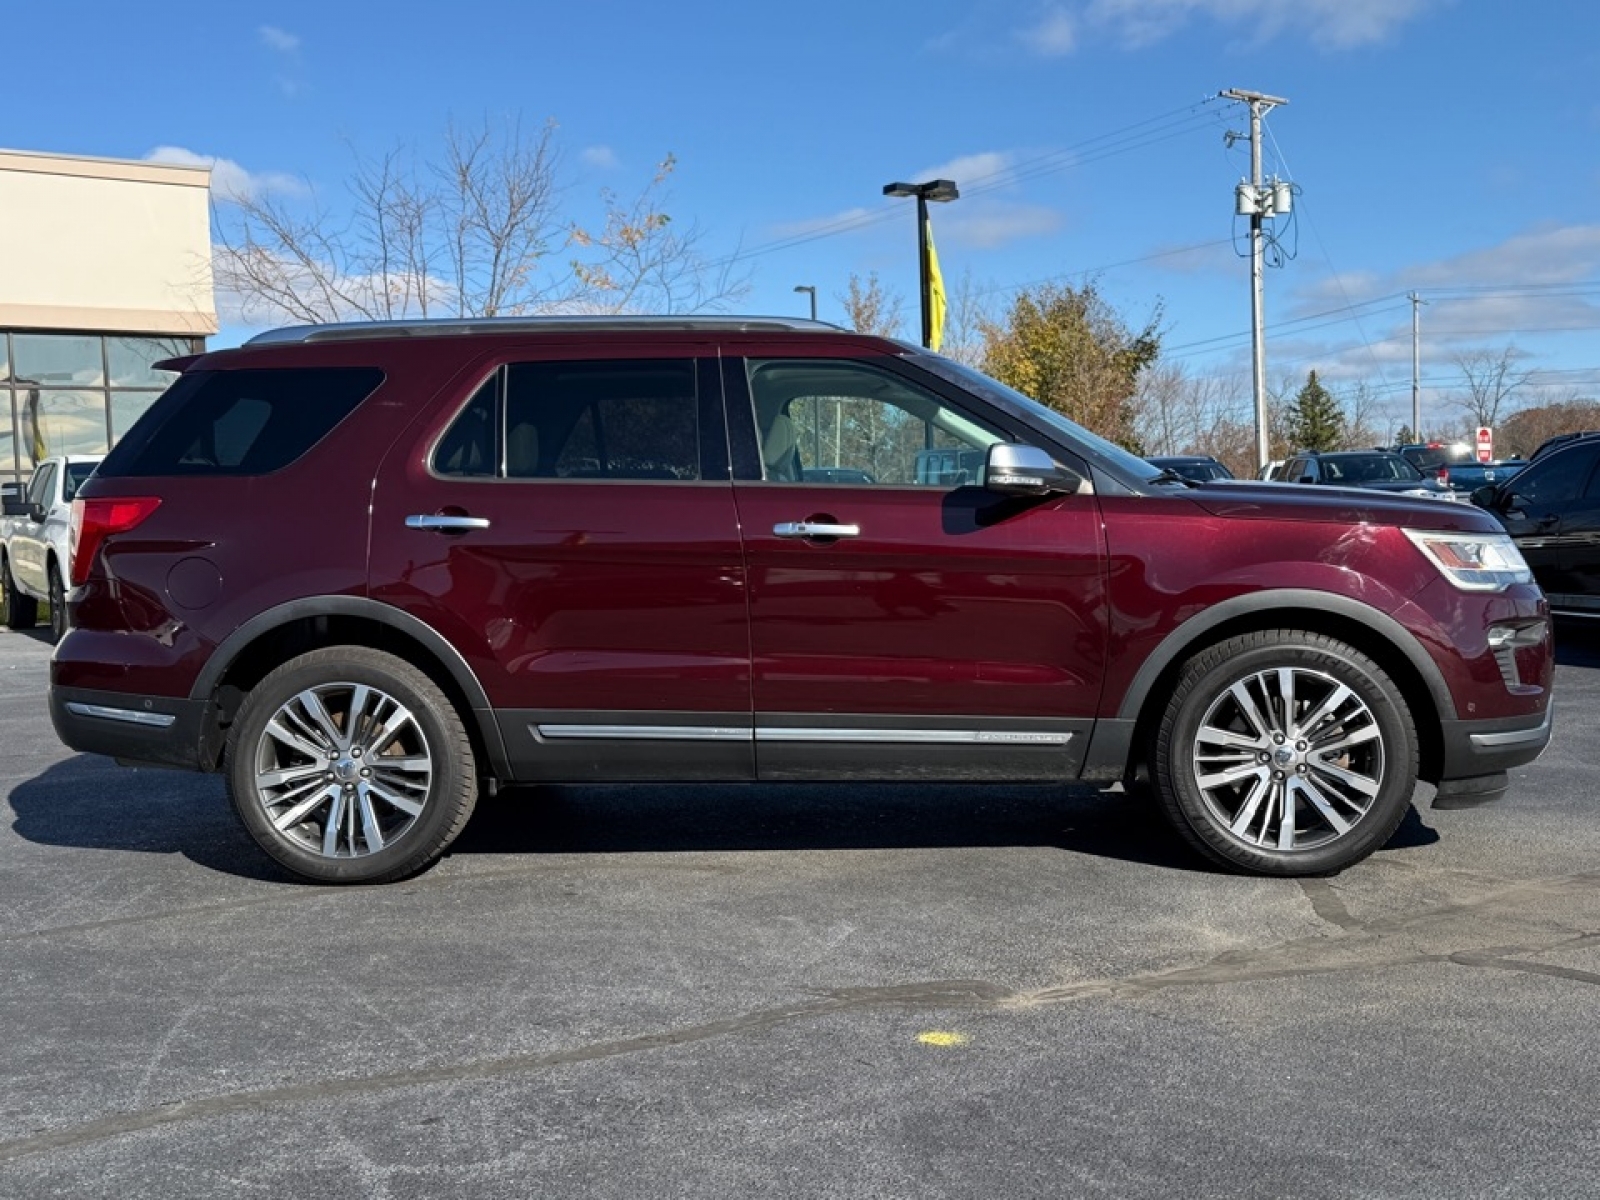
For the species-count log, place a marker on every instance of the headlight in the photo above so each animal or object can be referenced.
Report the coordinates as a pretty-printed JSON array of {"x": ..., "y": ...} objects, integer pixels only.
[{"x": 1474, "y": 562}]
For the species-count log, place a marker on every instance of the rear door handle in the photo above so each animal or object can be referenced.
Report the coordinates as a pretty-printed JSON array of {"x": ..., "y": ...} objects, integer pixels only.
[
  {"x": 443, "y": 524},
  {"x": 815, "y": 529}
]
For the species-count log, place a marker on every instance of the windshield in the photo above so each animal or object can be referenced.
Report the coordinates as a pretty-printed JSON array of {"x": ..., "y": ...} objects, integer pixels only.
[
  {"x": 1369, "y": 468},
  {"x": 1092, "y": 445}
]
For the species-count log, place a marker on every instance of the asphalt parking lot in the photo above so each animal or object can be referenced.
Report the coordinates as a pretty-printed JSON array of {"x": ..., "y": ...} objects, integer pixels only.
[{"x": 793, "y": 991}]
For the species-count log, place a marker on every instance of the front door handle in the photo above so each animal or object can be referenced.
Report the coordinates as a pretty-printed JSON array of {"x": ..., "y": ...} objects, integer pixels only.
[
  {"x": 815, "y": 529},
  {"x": 444, "y": 524}
]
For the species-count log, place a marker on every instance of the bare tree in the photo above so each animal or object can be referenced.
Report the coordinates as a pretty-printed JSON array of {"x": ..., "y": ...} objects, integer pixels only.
[
  {"x": 1491, "y": 383},
  {"x": 963, "y": 327},
  {"x": 1364, "y": 424},
  {"x": 1564, "y": 411},
  {"x": 477, "y": 231},
  {"x": 870, "y": 308},
  {"x": 1163, "y": 401}
]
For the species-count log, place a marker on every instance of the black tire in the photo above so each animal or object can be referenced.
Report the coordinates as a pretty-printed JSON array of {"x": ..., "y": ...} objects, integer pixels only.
[
  {"x": 1342, "y": 762},
  {"x": 20, "y": 612},
  {"x": 58, "y": 605},
  {"x": 300, "y": 783}
]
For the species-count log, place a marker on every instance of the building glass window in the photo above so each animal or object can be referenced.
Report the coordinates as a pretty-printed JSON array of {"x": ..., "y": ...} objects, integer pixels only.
[
  {"x": 76, "y": 393},
  {"x": 58, "y": 360},
  {"x": 65, "y": 422},
  {"x": 126, "y": 408},
  {"x": 130, "y": 360}
]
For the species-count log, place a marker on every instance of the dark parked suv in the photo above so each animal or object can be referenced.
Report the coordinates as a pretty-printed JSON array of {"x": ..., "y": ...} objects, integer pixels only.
[
  {"x": 1551, "y": 508},
  {"x": 366, "y": 571}
]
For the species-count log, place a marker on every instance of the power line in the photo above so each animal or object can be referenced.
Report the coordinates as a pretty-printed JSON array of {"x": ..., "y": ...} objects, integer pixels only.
[{"x": 1138, "y": 136}]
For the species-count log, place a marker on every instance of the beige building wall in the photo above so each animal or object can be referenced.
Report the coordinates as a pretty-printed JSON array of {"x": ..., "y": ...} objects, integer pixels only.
[{"x": 103, "y": 244}]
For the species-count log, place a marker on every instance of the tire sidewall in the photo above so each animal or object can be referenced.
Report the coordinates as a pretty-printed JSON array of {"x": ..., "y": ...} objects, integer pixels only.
[
  {"x": 20, "y": 612},
  {"x": 58, "y": 605},
  {"x": 420, "y": 844},
  {"x": 1211, "y": 674}
]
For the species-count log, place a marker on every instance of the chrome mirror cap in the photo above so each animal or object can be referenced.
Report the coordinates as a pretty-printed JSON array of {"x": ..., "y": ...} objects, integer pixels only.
[{"x": 1014, "y": 470}]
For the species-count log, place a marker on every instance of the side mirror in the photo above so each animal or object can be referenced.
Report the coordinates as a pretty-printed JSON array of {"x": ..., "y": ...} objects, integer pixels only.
[
  {"x": 1306, "y": 479},
  {"x": 15, "y": 508},
  {"x": 37, "y": 513},
  {"x": 1483, "y": 496},
  {"x": 1014, "y": 470}
]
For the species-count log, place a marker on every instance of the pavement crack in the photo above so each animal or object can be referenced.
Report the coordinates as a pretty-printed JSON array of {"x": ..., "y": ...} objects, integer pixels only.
[
  {"x": 936, "y": 994},
  {"x": 1500, "y": 963}
]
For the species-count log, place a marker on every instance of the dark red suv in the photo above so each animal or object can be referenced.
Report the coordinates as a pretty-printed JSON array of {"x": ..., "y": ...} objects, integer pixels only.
[{"x": 366, "y": 571}]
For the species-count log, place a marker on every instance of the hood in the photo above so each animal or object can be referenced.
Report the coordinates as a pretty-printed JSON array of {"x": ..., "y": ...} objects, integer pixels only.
[{"x": 1239, "y": 498}]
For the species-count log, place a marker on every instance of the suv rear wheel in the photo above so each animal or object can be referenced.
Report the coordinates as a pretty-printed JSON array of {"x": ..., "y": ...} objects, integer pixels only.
[
  {"x": 1285, "y": 753},
  {"x": 348, "y": 765}
]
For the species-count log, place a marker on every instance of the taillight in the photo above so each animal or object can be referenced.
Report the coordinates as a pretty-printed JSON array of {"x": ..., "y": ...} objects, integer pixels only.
[
  {"x": 96, "y": 519},
  {"x": 1444, "y": 474}
]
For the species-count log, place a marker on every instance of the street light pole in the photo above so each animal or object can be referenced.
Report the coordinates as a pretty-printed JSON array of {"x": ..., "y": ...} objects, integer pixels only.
[
  {"x": 807, "y": 288},
  {"x": 940, "y": 190}
]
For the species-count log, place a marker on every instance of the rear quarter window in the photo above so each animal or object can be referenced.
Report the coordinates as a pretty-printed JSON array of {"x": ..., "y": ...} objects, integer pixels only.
[{"x": 239, "y": 422}]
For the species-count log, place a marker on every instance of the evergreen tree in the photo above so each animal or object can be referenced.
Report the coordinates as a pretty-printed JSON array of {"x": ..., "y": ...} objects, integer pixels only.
[
  {"x": 1405, "y": 437},
  {"x": 1316, "y": 422}
]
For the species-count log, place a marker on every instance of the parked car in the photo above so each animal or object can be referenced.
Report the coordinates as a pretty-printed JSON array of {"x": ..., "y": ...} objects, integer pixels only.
[
  {"x": 1199, "y": 467},
  {"x": 1273, "y": 470},
  {"x": 1559, "y": 440},
  {"x": 1552, "y": 509},
  {"x": 364, "y": 571},
  {"x": 1468, "y": 477},
  {"x": 1377, "y": 470},
  {"x": 34, "y": 550},
  {"x": 1429, "y": 457}
]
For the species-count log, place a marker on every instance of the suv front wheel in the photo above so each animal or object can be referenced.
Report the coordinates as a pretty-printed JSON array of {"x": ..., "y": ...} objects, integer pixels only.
[
  {"x": 348, "y": 765},
  {"x": 1285, "y": 753}
]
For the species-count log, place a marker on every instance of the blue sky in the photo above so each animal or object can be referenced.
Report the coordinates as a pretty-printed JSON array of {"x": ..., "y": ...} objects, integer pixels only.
[{"x": 1442, "y": 146}]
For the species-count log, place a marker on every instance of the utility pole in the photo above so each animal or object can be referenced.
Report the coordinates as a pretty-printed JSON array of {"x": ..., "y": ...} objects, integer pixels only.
[
  {"x": 1256, "y": 203},
  {"x": 1416, "y": 368}
]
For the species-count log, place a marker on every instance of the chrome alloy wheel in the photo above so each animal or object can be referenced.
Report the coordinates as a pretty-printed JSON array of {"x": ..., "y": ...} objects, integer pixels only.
[
  {"x": 342, "y": 770},
  {"x": 1288, "y": 759}
]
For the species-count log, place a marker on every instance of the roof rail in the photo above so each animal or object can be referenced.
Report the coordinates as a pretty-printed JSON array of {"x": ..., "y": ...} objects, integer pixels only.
[{"x": 440, "y": 327}]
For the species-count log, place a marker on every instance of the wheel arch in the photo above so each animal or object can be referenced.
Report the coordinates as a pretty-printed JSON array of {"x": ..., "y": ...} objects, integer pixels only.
[
  {"x": 271, "y": 638},
  {"x": 1376, "y": 634}
]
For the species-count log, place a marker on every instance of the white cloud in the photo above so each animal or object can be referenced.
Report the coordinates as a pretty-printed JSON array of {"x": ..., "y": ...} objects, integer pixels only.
[
  {"x": 229, "y": 181},
  {"x": 1054, "y": 35},
  {"x": 1336, "y": 24},
  {"x": 277, "y": 39},
  {"x": 986, "y": 226},
  {"x": 602, "y": 157},
  {"x": 969, "y": 170}
]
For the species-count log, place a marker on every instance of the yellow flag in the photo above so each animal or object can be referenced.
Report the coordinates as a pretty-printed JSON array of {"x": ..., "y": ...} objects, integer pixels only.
[
  {"x": 936, "y": 302},
  {"x": 40, "y": 451}
]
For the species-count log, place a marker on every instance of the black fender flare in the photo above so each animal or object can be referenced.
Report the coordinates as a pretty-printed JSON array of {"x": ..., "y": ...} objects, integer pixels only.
[{"x": 448, "y": 657}]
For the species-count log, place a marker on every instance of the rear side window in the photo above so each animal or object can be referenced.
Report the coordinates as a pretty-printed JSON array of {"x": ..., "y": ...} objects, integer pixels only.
[
  {"x": 77, "y": 472},
  {"x": 239, "y": 422},
  {"x": 624, "y": 419}
]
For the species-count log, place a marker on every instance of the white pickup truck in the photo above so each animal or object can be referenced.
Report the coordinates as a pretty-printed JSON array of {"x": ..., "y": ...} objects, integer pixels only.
[{"x": 35, "y": 558}]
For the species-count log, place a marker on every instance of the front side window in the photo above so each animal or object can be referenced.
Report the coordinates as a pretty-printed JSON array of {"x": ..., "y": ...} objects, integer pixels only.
[
  {"x": 823, "y": 421},
  {"x": 43, "y": 484},
  {"x": 634, "y": 419},
  {"x": 1557, "y": 480}
]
